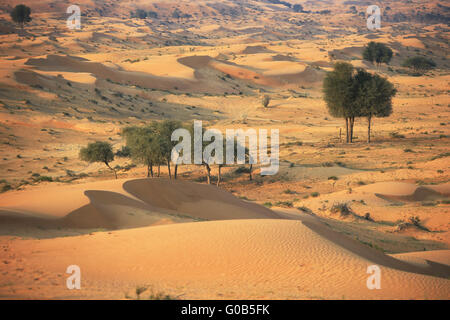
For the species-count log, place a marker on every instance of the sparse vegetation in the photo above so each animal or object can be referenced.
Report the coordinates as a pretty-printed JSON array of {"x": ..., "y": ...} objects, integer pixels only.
[
  {"x": 21, "y": 14},
  {"x": 98, "y": 152},
  {"x": 265, "y": 101},
  {"x": 342, "y": 208},
  {"x": 419, "y": 64},
  {"x": 377, "y": 52}
]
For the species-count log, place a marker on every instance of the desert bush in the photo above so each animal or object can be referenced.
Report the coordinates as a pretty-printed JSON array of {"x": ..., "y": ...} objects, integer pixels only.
[
  {"x": 288, "y": 204},
  {"x": 6, "y": 188},
  {"x": 265, "y": 101},
  {"x": 342, "y": 208},
  {"x": 419, "y": 64},
  {"x": 397, "y": 135},
  {"x": 43, "y": 178},
  {"x": 242, "y": 169},
  {"x": 305, "y": 209}
]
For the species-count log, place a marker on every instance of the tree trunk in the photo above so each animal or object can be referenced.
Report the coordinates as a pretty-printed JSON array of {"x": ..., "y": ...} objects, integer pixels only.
[
  {"x": 175, "y": 173},
  {"x": 250, "y": 177},
  {"x": 115, "y": 173},
  {"x": 219, "y": 175},
  {"x": 369, "y": 122},
  {"x": 159, "y": 170},
  {"x": 347, "y": 130},
  {"x": 208, "y": 172},
  {"x": 352, "y": 122},
  {"x": 168, "y": 168}
]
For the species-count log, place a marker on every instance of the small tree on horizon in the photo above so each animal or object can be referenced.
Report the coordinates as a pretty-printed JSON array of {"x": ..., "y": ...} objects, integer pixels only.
[
  {"x": 98, "y": 152},
  {"x": 21, "y": 15}
]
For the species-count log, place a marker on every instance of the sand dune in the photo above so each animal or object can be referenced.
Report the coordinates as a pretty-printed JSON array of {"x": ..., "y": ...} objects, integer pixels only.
[
  {"x": 122, "y": 204},
  {"x": 247, "y": 252},
  {"x": 408, "y": 192},
  {"x": 259, "y": 259}
]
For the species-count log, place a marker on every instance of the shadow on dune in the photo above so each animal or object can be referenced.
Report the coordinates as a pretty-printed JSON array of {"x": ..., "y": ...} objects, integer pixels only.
[
  {"x": 420, "y": 194},
  {"x": 106, "y": 210},
  {"x": 196, "y": 200},
  {"x": 159, "y": 201},
  {"x": 156, "y": 202},
  {"x": 373, "y": 255}
]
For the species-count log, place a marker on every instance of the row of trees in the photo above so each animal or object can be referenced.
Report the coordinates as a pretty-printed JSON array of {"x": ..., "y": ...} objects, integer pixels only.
[
  {"x": 379, "y": 53},
  {"x": 353, "y": 92},
  {"x": 152, "y": 146}
]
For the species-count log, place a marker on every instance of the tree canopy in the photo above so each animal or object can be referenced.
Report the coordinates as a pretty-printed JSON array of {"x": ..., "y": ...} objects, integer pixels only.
[
  {"x": 376, "y": 52},
  {"x": 373, "y": 96},
  {"x": 21, "y": 14},
  {"x": 419, "y": 64},
  {"x": 152, "y": 145},
  {"x": 351, "y": 93},
  {"x": 98, "y": 152}
]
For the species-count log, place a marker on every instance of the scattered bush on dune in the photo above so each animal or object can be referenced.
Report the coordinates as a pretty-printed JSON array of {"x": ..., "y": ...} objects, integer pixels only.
[
  {"x": 265, "y": 101},
  {"x": 342, "y": 208}
]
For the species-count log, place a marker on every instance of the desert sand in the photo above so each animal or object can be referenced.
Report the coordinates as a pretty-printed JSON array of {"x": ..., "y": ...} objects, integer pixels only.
[
  {"x": 272, "y": 237},
  {"x": 254, "y": 254}
]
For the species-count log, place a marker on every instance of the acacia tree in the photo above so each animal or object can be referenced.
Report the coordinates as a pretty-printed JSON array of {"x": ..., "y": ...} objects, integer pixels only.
[
  {"x": 164, "y": 140},
  {"x": 152, "y": 145},
  {"x": 338, "y": 89},
  {"x": 142, "y": 146},
  {"x": 98, "y": 152},
  {"x": 419, "y": 64},
  {"x": 21, "y": 15},
  {"x": 373, "y": 96},
  {"x": 236, "y": 146},
  {"x": 377, "y": 52}
]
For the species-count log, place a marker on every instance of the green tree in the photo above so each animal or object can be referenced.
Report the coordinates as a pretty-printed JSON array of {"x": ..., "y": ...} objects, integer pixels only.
[
  {"x": 98, "y": 152},
  {"x": 376, "y": 52},
  {"x": 419, "y": 64},
  {"x": 164, "y": 139},
  {"x": 141, "y": 143},
  {"x": 373, "y": 97},
  {"x": 21, "y": 14},
  {"x": 338, "y": 89}
]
